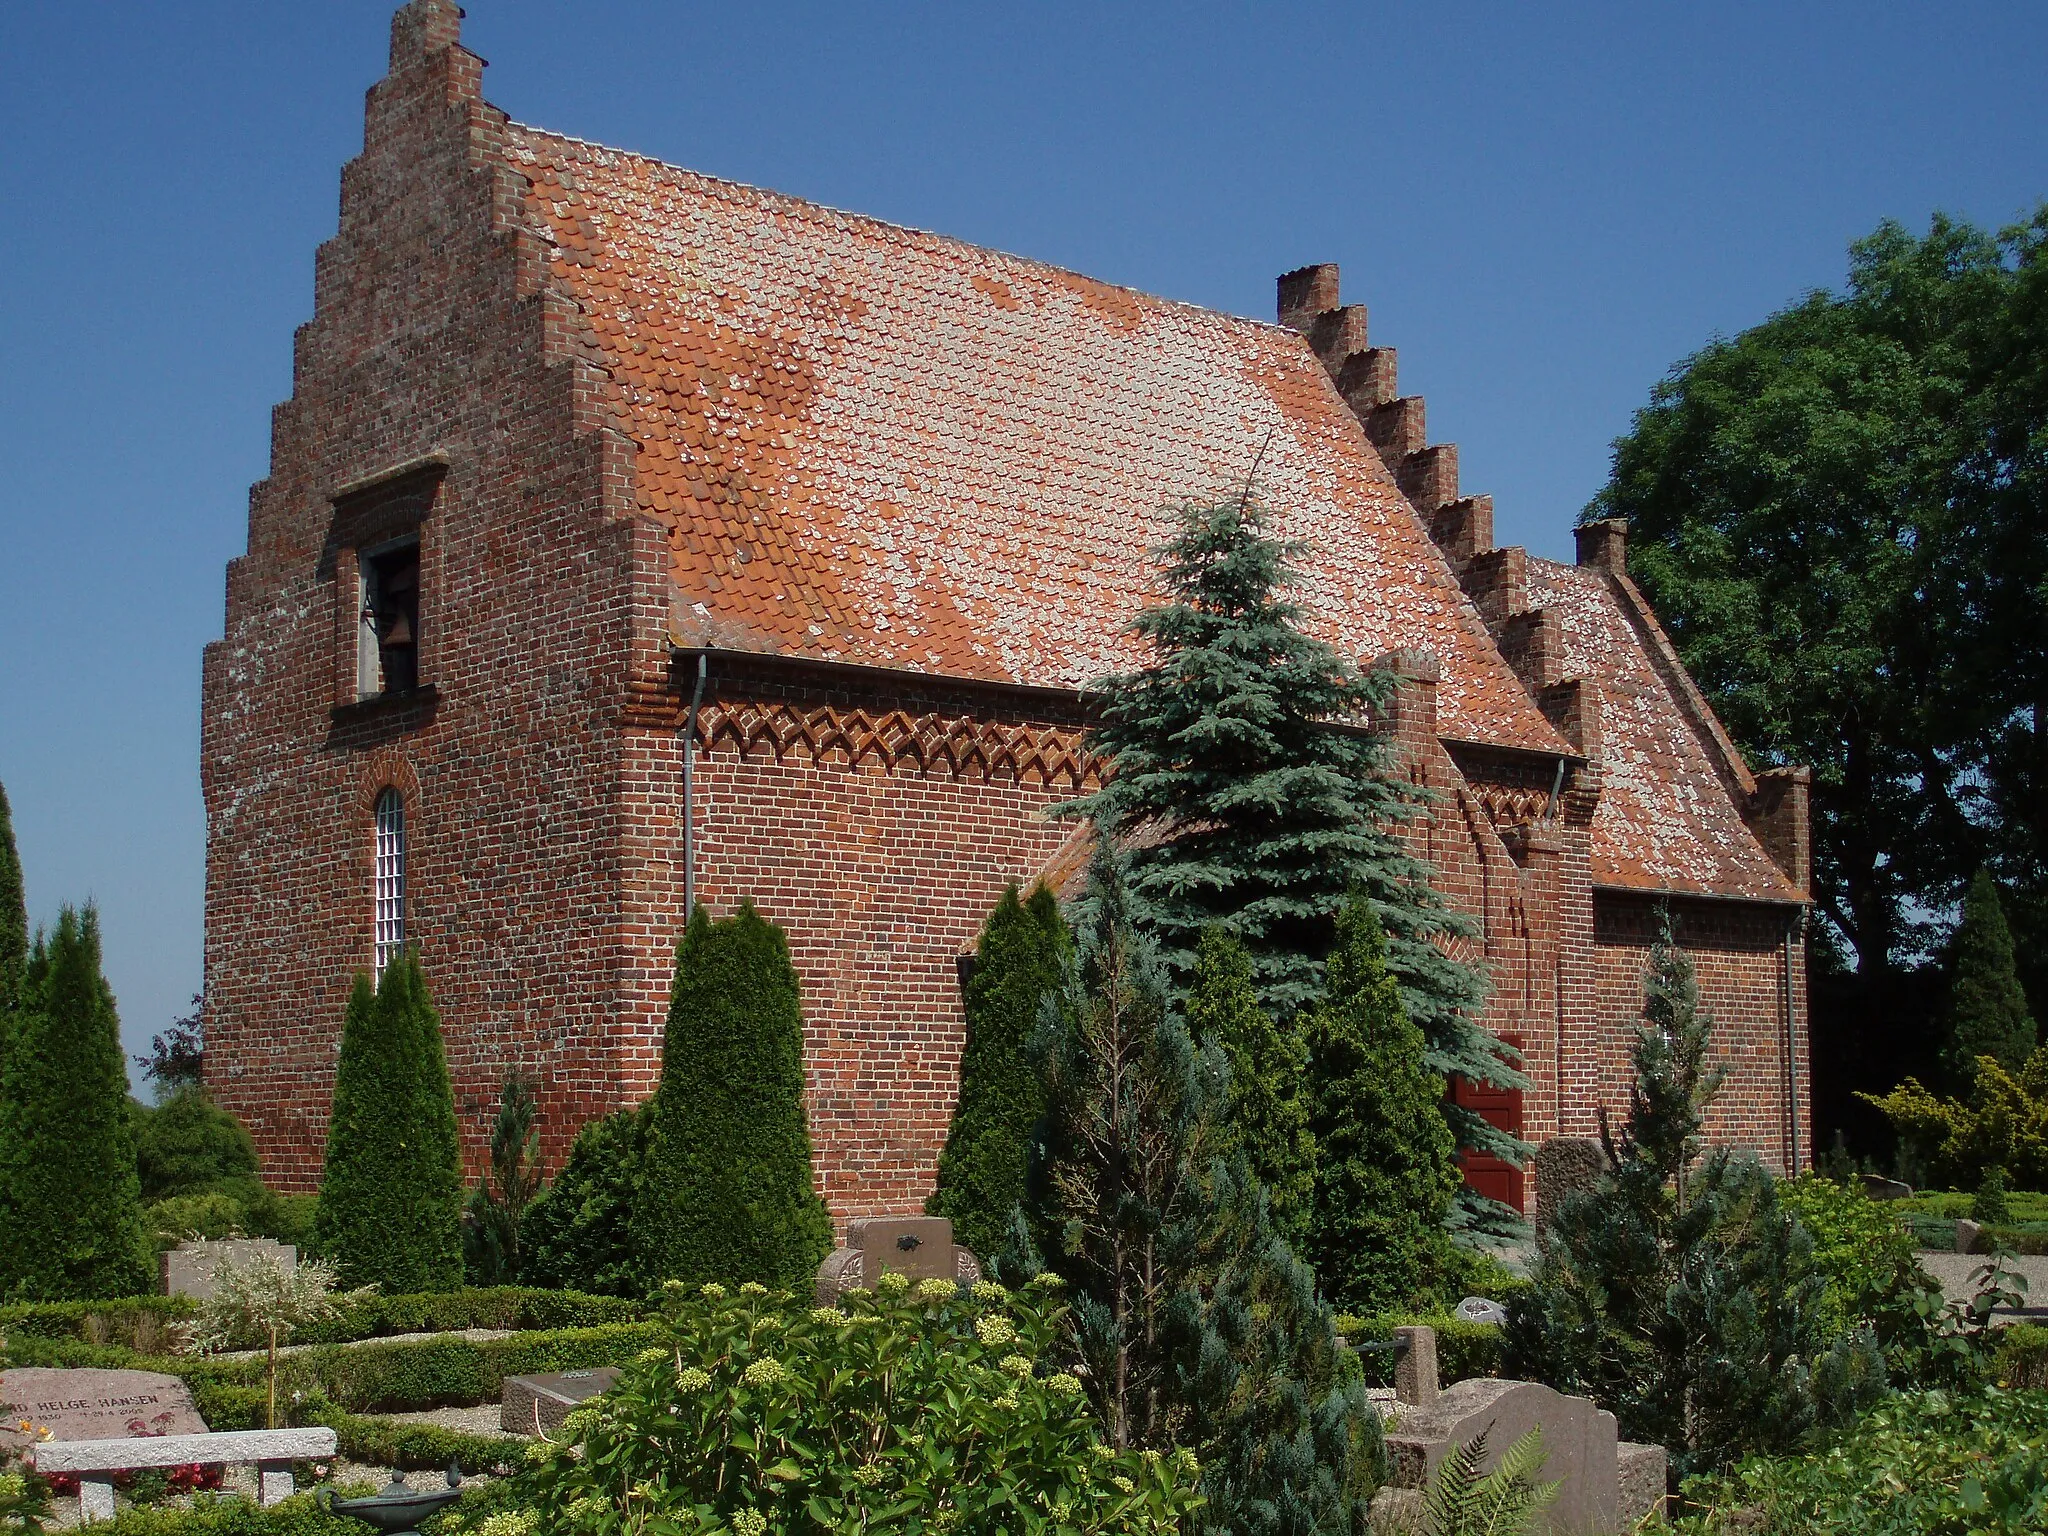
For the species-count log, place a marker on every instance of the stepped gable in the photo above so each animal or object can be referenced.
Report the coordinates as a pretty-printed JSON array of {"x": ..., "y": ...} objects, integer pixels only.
[
  {"x": 1677, "y": 808},
  {"x": 874, "y": 445}
]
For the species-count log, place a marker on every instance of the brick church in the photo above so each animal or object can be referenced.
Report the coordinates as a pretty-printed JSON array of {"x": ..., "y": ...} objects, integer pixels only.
[{"x": 631, "y": 534}]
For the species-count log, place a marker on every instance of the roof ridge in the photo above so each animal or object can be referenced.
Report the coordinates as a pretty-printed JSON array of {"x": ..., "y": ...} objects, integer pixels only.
[{"x": 935, "y": 236}]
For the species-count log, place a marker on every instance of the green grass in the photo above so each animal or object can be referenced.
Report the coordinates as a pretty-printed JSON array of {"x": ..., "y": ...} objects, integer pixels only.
[{"x": 2026, "y": 1207}]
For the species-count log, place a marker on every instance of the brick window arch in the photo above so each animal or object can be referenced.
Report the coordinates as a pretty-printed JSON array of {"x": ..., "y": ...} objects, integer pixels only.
[{"x": 388, "y": 881}]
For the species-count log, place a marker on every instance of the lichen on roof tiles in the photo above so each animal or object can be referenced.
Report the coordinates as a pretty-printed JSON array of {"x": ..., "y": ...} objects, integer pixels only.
[
  {"x": 872, "y": 444},
  {"x": 1664, "y": 819}
]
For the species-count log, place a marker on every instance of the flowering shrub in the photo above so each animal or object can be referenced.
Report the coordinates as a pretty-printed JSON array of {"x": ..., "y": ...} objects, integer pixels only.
[
  {"x": 907, "y": 1410},
  {"x": 1919, "y": 1464}
]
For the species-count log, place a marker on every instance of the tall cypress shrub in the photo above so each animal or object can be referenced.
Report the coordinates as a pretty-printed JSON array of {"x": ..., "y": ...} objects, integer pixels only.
[
  {"x": 1248, "y": 798},
  {"x": 390, "y": 1209},
  {"x": 1268, "y": 1109},
  {"x": 981, "y": 1171},
  {"x": 578, "y": 1234},
  {"x": 1198, "y": 1325},
  {"x": 728, "y": 1192},
  {"x": 13, "y": 918},
  {"x": 69, "y": 1192},
  {"x": 1386, "y": 1171},
  {"x": 1987, "y": 1010}
]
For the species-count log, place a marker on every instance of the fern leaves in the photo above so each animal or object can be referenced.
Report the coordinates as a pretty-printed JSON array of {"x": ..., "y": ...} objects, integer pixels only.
[{"x": 1463, "y": 1501}]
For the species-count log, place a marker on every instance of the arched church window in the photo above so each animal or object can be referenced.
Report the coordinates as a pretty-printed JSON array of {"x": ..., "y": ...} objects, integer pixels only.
[{"x": 389, "y": 885}]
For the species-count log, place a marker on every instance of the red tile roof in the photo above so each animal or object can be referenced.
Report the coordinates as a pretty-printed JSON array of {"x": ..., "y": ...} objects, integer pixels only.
[
  {"x": 875, "y": 445},
  {"x": 1667, "y": 817}
]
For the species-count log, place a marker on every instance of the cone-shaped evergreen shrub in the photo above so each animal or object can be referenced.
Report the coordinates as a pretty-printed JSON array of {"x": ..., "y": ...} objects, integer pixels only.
[
  {"x": 578, "y": 1235},
  {"x": 391, "y": 1192},
  {"x": 1987, "y": 1009},
  {"x": 13, "y": 917},
  {"x": 981, "y": 1171},
  {"x": 1246, "y": 801},
  {"x": 1386, "y": 1171},
  {"x": 1268, "y": 1113},
  {"x": 494, "y": 1222},
  {"x": 1197, "y": 1323},
  {"x": 1679, "y": 1292},
  {"x": 728, "y": 1192},
  {"x": 69, "y": 1195}
]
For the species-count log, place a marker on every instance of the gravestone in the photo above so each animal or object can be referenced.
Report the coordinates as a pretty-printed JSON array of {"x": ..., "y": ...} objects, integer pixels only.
[
  {"x": 94, "y": 1405},
  {"x": 534, "y": 1403},
  {"x": 917, "y": 1247},
  {"x": 1479, "y": 1309},
  {"x": 1581, "y": 1448},
  {"x": 187, "y": 1270}
]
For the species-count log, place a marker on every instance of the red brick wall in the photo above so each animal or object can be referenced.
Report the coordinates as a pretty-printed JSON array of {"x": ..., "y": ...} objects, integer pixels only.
[
  {"x": 881, "y": 870},
  {"x": 427, "y": 338}
]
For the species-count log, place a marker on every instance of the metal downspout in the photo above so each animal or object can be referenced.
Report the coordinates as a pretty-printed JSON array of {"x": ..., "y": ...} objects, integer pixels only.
[
  {"x": 689, "y": 797},
  {"x": 1792, "y": 930}
]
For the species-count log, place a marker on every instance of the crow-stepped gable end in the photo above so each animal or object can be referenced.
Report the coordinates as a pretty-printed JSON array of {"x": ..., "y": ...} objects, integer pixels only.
[{"x": 593, "y": 464}]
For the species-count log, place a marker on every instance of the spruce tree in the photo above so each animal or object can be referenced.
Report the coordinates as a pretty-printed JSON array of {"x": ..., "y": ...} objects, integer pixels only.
[
  {"x": 1197, "y": 1324},
  {"x": 1678, "y": 1291},
  {"x": 1987, "y": 1010},
  {"x": 70, "y": 1197},
  {"x": 1268, "y": 1112},
  {"x": 1250, "y": 798},
  {"x": 1386, "y": 1172},
  {"x": 390, "y": 1210},
  {"x": 981, "y": 1171},
  {"x": 578, "y": 1233},
  {"x": 493, "y": 1224},
  {"x": 728, "y": 1193}
]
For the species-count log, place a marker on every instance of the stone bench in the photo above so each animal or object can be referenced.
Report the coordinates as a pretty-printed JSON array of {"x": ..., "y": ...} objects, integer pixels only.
[{"x": 93, "y": 1462}]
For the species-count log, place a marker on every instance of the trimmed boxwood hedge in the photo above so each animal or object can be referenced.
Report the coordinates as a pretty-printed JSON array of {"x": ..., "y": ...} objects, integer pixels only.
[
  {"x": 2022, "y": 1359},
  {"x": 299, "y": 1515},
  {"x": 1462, "y": 1349},
  {"x": 506, "y": 1306},
  {"x": 399, "y": 1375}
]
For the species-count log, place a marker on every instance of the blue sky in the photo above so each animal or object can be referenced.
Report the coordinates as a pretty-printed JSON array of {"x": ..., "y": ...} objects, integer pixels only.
[{"x": 1544, "y": 207}]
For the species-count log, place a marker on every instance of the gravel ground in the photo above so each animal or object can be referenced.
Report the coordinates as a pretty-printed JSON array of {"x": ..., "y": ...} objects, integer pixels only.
[{"x": 1952, "y": 1272}]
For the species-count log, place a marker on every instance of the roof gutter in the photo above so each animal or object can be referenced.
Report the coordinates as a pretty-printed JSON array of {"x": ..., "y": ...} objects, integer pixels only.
[{"x": 1672, "y": 893}]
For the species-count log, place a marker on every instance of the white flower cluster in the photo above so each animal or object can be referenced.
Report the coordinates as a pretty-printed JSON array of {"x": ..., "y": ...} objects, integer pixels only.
[
  {"x": 995, "y": 1331},
  {"x": 937, "y": 1290}
]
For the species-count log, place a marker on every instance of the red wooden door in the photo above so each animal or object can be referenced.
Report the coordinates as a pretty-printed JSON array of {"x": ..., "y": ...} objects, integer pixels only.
[{"x": 1501, "y": 1108}]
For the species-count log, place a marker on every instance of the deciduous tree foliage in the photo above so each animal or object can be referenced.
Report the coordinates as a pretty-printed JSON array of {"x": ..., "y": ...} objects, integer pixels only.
[
  {"x": 1198, "y": 1325},
  {"x": 981, "y": 1171},
  {"x": 1838, "y": 515},
  {"x": 728, "y": 1193},
  {"x": 1678, "y": 1292},
  {"x": 1987, "y": 1010},
  {"x": 1268, "y": 1112},
  {"x": 391, "y": 1190},
  {"x": 1385, "y": 1170},
  {"x": 70, "y": 1199},
  {"x": 1250, "y": 796}
]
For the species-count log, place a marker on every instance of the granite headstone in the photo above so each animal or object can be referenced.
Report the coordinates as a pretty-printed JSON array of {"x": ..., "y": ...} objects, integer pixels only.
[{"x": 94, "y": 1405}]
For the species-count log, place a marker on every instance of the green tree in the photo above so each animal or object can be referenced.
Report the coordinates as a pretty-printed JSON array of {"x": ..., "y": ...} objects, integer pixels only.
[
  {"x": 13, "y": 918},
  {"x": 981, "y": 1171},
  {"x": 1987, "y": 1008},
  {"x": 493, "y": 1225},
  {"x": 1250, "y": 801},
  {"x": 1679, "y": 1292},
  {"x": 1268, "y": 1110},
  {"x": 728, "y": 1193},
  {"x": 70, "y": 1199},
  {"x": 188, "y": 1145},
  {"x": 1837, "y": 515},
  {"x": 1385, "y": 1170},
  {"x": 1197, "y": 1324},
  {"x": 391, "y": 1192},
  {"x": 578, "y": 1233}
]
